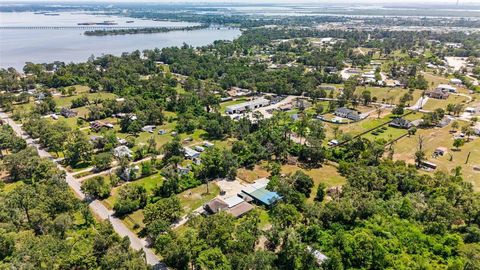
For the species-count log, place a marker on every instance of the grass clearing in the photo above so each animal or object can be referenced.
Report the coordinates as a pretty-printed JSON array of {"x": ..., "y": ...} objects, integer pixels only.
[
  {"x": 388, "y": 134},
  {"x": 250, "y": 176},
  {"x": 327, "y": 174},
  {"x": 440, "y": 137},
  {"x": 433, "y": 103},
  {"x": 196, "y": 197},
  {"x": 389, "y": 95}
]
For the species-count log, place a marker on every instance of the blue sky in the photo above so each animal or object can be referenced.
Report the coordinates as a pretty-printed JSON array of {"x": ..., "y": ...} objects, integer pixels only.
[{"x": 267, "y": 1}]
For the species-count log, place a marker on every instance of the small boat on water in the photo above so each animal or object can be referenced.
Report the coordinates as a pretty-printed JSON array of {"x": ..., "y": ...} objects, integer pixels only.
[{"x": 130, "y": 21}]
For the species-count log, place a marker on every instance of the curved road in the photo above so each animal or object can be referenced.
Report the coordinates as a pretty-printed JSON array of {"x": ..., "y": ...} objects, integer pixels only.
[{"x": 97, "y": 207}]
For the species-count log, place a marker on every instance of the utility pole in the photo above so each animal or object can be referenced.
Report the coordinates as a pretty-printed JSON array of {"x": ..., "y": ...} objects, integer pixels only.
[{"x": 468, "y": 157}]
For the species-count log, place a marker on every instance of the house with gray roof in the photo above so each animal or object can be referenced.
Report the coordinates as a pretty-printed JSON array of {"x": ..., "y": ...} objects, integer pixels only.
[
  {"x": 347, "y": 113},
  {"x": 400, "y": 123}
]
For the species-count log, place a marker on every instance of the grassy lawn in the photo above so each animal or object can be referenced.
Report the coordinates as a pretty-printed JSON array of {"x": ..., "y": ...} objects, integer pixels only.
[
  {"x": 197, "y": 136},
  {"x": 356, "y": 127},
  {"x": 149, "y": 183},
  {"x": 433, "y": 80},
  {"x": 71, "y": 122},
  {"x": 134, "y": 221},
  {"x": 440, "y": 137},
  {"x": 196, "y": 197},
  {"x": 388, "y": 134},
  {"x": 327, "y": 174},
  {"x": 389, "y": 95},
  {"x": 224, "y": 105},
  {"x": 250, "y": 176},
  {"x": 433, "y": 103},
  {"x": 63, "y": 101}
]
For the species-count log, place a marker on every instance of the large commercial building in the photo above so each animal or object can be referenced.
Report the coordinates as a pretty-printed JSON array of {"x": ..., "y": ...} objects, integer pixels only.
[{"x": 246, "y": 106}]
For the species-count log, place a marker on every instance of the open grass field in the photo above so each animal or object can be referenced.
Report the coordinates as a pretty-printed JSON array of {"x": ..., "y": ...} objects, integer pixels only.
[
  {"x": 372, "y": 121},
  {"x": 356, "y": 127},
  {"x": 63, "y": 101},
  {"x": 250, "y": 176},
  {"x": 388, "y": 134},
  {"x": 66, "y": 101},
  {"x": 389, "y": 95},
  {"x": 71, "y": 122},
  {"x": 440, "y": 137},
  {"x": 327, "y": 174},
  {"x": 196, "y": 197},
  {"x": 433, "y": 103}
]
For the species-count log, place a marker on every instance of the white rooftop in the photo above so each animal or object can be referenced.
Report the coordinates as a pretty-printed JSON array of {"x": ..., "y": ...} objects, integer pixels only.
[
  {"x": 232, "y": 201},
  {"x": 446, "y": 86},
  {"x": 251, "y": 103}
]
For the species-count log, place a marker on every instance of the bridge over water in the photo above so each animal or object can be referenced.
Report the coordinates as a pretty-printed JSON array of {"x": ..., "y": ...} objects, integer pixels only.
[
  {"x": 80, "y": 27},
  {"x": 94, "y": 27}
]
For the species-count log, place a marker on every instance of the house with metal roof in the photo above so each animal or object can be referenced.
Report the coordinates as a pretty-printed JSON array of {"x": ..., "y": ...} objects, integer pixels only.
[
  {"x": 447, "y": 88},
  {"x": 190, "y": 153},
  {"x": 262, "y": 195},
  {"x": 246, "y": 106},
  {"x": 208, "y": 144},
  {"x": 148, "y": 128}
]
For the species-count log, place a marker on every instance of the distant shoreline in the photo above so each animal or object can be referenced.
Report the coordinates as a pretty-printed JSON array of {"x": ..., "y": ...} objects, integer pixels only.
[{"x": 144, "y": 30}]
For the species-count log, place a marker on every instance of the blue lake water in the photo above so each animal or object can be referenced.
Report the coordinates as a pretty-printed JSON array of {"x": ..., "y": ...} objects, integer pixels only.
[{"x": 18, "y": 46}]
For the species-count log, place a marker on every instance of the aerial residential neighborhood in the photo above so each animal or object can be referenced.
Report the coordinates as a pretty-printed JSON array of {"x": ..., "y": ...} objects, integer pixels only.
[{"x": 240, "y": 135}]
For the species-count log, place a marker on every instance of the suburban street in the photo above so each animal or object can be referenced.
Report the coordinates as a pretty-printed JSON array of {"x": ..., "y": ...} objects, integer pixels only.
[{"x": 97, "y": 207}]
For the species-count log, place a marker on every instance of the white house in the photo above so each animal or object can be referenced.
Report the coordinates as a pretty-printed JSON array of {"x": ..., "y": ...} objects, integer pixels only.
[
  {"x": 470, "y": 110},
  {"x": 190, "y": 153},
  {"x": 456, "y": 81},
  {"x": 446, "y": 88},
  {"x": 148, "y": 129},
  {"x": 122, "y": 151},
  {"x": 208, "y": 144}
]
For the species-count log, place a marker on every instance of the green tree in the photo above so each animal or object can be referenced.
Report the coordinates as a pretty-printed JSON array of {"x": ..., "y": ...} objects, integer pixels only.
[
  {"x": 457, "y": 143},
  {"x": 97, "y": 187},
  {"x": 213, "y": 259},
  {"x": 160, "y": 215},
  {"x": 320, "y": 192},
  {"x": 102, "y": 161},
  {"x": 302, "y": 182},
  {"x": 78, "y": 149}
]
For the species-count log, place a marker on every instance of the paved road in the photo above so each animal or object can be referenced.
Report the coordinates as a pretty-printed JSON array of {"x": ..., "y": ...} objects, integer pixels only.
[
  {"x": 419, "y": 104},
  {"x": 97, "y": 207}
]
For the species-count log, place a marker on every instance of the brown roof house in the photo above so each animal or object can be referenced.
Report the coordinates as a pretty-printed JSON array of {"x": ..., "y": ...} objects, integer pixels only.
[
  {"x": 216, "y": 205},
  {"x": 438, "y": 94}
]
